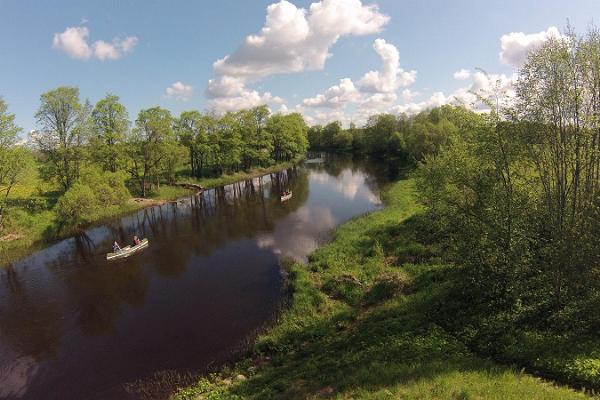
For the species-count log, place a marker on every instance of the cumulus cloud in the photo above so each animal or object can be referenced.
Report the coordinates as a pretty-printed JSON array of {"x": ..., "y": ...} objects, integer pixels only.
[
  {"x": 516, "y": 45},
  {"x": 391, "y": 76},
  {"x": 435, "y": 100},
  {"x": 246, "y": 99},
  {"x": 74, "y": 42},
  {"x": 374, "y": 93},
  {"x": 292, "y": 40},
  {"x": 179, "y": 91},
  {"x": 462, "y": 74},
  {"x": 336, "y": 96}
]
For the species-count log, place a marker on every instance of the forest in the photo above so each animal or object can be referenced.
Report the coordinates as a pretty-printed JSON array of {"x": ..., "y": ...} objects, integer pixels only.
[{"x": 84, "y": 162}]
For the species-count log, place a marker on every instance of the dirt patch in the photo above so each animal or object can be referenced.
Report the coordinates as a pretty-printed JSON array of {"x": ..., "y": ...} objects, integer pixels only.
[
  {"x": 10, "y": 237},
  {"x": 148, "y": 202}
]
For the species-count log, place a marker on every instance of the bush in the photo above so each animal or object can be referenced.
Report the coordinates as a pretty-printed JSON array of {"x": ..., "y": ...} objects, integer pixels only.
[
  {"x": 77, "y": 205},
  {"x": 346, "y": 288},
  {"x": 387, "y": 286}
]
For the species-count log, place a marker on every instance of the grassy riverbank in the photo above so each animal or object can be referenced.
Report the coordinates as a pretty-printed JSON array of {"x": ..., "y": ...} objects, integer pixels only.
[
  {"x": 362, "y": 324},
  {"x": 227, "y": 179},
  {"x": 34, "y": 222}
]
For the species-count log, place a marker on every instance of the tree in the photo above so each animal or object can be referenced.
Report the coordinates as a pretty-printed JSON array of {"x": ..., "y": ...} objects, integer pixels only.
[
  {"x": 227, "y": 143},
  {"x": 257, "y": 143},
  {"x": 15, "y": 160},
  {"x": 63, "y": 123},
  {"x": 378, "y": 131},
  {"x": 149, "y": 145},
  {"x": 188, "y": 129},
  {"x": 110, "y": 124},
  {"x": 289, "y": 135}
]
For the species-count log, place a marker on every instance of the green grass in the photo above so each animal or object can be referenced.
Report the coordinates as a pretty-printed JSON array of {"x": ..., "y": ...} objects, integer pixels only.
[
  {"x": 169, "y": 192},
  {"x": 359, "y": 326}
]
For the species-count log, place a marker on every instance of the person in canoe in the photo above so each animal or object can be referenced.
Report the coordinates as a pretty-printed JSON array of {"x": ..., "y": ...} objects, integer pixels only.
[
  {"x": 116, "y": 247},
  {"x": 136, "y": 241}
]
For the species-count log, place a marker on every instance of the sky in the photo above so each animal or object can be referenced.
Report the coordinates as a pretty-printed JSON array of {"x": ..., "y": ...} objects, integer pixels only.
[{"x": 329, "y": 59}]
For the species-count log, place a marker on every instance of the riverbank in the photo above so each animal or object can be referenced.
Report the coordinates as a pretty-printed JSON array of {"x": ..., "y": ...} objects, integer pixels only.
[
  {"x": 227, "y": 179},
  {"x": 361, "y": 325},
  {"x": 35, "y": 219}
]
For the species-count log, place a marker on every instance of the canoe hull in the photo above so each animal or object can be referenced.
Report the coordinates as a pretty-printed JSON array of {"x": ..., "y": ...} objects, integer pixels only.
[
  {"x": 128, "y": 250},
  {"x": 286, "y": 197}
]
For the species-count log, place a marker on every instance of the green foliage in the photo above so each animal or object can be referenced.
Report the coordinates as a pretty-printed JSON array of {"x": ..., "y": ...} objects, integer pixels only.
[
  {"x": 289, "y": 134},
  {"x": 150, "y": 146},
  {"x": 77, "y": 205},
  {"x": 391, "y": 137},
  {"x": 98, "y": 194},
  {"x": 109, "y": 124},
  {"x": 64, "y": 131},
  {"x": 15, "y": 161},
  {"x": 388, "y": 348}
]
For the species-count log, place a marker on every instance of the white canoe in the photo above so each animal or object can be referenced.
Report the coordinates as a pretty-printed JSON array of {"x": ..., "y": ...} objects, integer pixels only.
[
  {"x": 128, "y": 250},
  {"x": 286, "y": 197}
]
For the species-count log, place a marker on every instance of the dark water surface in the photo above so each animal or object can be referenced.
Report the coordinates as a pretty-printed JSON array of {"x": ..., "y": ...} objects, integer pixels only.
[{"x": 74, "y": 326}]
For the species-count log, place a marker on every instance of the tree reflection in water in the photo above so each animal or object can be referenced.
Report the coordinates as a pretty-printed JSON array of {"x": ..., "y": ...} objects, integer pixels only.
[{"x": 208, "y": 280}]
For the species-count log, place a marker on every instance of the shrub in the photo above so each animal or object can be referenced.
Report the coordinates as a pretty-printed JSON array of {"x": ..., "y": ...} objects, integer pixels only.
[
  {"x": 387, "y": 286},
  {"x": 77, "y": 205}
]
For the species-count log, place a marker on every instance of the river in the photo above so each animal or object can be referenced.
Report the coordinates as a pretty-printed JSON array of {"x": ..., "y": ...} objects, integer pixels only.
[{"x": 75, "y": 326}]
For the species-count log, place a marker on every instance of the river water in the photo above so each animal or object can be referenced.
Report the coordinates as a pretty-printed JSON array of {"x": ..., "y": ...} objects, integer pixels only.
[{"x": 75, "y": 326}]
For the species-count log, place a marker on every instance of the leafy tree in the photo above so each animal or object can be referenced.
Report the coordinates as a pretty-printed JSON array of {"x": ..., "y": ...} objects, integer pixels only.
[
  {"x": 15, "y": 161},
  {"x": 110, "y": 124},
  {"x": 227, "y": 143},
  {"x": 378, "y": 130},
  {"x": 63, "y": 122},
  {"x": 149, "y": 145},
  {"x": 190, "y": 133},
  {"x": 289, "y": 135}
]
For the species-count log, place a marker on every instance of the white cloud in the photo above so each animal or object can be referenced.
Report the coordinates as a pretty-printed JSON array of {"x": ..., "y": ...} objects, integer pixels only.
[
  {"x": 336, "y": 96},
  {"x": 246, "y": 99},
  {"x": 435, "y": 100},
  {"x": 374, "y": 93},
  {"x": 179, "y": 91},
  {"x": 516, "y": 45},
  {"x": 74, "y": 42},
  {"x": 462, "y": 74},
  {"x": 391, "y": 76},
  {"x": 408, "y": 95},
  {"x": 292, "y": 40}
]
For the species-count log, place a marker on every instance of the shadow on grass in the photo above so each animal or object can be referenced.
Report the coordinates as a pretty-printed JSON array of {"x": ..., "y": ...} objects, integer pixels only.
[{"x": 349, "y": 348}]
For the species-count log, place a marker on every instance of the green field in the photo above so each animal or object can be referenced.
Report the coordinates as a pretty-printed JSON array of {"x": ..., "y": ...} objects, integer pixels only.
[{"x": 360, "y": 326}]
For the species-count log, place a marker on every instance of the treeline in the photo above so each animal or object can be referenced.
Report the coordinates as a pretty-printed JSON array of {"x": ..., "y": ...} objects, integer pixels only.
[
  {"x": 512, "y": 198},
  {"x": 388, "y": 136},
  {"x": 95, "y": 154},
  {"x": 72, "y": 133}
]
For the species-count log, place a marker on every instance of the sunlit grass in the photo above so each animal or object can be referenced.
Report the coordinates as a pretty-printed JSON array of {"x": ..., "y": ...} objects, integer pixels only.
[{"x": 358, "y": 327}]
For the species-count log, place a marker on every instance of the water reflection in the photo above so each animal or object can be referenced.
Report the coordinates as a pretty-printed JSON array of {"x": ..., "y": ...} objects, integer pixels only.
[{"x": 73, "y": 325}]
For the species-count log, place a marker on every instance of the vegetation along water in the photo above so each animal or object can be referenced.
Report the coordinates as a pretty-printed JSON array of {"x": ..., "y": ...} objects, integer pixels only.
[{"x": 480, "y": 278}]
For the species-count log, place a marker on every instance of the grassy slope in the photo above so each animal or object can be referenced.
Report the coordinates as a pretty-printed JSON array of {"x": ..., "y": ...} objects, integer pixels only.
[{"x": 358, "y": 327}]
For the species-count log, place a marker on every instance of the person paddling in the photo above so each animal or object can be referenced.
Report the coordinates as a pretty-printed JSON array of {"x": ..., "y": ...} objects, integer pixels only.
[
  {"x": 116, "y": 247},
  {"x": 136, "y": 241}
]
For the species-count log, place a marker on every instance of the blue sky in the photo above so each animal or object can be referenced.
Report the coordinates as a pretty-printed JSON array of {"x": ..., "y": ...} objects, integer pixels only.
[{"x": 285, "y": 66}]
